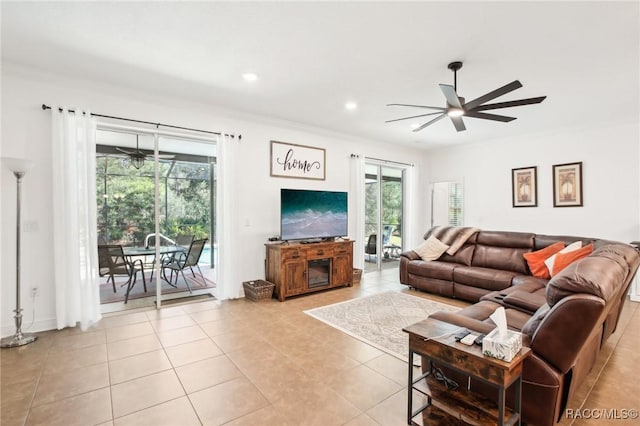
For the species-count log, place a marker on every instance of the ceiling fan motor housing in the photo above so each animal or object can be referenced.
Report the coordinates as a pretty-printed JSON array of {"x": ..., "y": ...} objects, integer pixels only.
[{"x": 455, "y": 66}]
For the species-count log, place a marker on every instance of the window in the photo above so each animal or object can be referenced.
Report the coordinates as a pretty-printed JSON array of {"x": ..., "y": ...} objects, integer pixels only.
[{"x": 125, "y": 193}]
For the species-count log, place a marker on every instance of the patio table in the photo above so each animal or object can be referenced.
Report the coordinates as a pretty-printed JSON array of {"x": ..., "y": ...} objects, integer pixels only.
[{"x": 151, "y": 251}]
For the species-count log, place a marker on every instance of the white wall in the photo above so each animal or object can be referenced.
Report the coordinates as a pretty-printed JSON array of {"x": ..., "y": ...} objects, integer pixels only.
[
  {"x": 26, "y": 133},
  {"x": 609, "y": 155}
]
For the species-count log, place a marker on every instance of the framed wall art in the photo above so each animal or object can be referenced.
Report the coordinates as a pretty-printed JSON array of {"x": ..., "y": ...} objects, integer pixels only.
[
  {"x": 524, "y": 187},
  {"x": 297, "y": 161},
  {"x": 567, "y": 185}
]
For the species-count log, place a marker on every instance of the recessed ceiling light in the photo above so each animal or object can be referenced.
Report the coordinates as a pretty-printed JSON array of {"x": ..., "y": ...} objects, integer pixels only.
[
  {"x": 415, "y": 125},
  {"x": 351, "y": 105},
  {"x": 250, "y": 76}
]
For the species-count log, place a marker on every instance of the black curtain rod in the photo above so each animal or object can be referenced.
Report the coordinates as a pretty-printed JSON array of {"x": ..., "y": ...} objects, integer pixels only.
[
  {"x": 45, "y": 107},
  {"x": 383, "y": 161}
]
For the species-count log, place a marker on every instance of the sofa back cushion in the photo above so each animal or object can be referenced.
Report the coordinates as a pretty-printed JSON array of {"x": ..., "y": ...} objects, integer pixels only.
[
  {"x": 542, "y": 241},
  {"x": 463, "y": 256},
  {"x": 503, "y": 250},
  {"x": 601, "y": 274}
]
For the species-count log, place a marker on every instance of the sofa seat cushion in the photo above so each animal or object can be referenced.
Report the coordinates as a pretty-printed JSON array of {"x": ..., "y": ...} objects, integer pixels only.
[
  {"x": 432, "y": 269},
  {"x": 469, "y": 293},
  {"x": 516, "y": 319},
  {"x": 487, "y": 278},
  {"x": 526, "y": 295},
  {"x": 529, "y": 283}
]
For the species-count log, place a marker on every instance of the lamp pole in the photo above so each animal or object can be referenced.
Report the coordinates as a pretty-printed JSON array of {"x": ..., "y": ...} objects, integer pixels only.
[{"x": 18, "y": 339}]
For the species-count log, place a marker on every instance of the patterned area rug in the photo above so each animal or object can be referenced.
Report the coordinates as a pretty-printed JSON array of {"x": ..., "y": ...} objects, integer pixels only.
[{"x": 379, "y": 319}]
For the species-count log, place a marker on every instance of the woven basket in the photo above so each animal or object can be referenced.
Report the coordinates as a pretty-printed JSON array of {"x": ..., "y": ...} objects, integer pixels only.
[
  {"x": 257, "y": 290},
  {"x": 357, "y": 275}
]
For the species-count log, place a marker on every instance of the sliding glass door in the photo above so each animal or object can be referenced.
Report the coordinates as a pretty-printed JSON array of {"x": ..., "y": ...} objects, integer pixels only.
[
  {"x": 383, "y": 215},
  {"x": 174, "y": 254}
]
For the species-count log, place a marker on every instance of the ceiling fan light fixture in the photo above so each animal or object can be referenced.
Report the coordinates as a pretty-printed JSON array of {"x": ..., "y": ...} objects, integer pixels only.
[
  {"x": 137, "y": 162},
  {"x": 455, "y": 112}
]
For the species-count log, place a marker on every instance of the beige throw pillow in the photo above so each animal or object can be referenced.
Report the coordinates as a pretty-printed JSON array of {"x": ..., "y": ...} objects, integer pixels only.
[{"x": 431, "y": 249}]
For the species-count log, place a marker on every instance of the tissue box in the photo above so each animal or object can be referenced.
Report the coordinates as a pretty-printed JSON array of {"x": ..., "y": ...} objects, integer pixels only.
[{"x": 502, "y": 348}]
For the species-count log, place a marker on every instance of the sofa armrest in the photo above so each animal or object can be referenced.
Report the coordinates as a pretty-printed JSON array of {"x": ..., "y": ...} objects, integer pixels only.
[
  {"x": 411, "y": 255},
  {"x": 563, "y": 331},
  {"x": 463, "y": 321}
]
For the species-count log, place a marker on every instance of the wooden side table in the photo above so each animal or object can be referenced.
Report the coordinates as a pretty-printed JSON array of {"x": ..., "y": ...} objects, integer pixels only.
[{"x": 434, "y": 341}]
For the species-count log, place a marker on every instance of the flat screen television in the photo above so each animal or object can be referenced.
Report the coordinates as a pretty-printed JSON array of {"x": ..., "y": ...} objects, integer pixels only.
[{"x": 312, "y": 215}]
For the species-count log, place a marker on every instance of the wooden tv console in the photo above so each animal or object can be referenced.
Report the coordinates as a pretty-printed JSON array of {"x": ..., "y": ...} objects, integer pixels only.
[{"x": 297, "y": 268}]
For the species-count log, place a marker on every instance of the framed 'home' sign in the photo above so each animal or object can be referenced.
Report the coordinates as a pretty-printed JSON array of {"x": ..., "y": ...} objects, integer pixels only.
[{"x": 297, "y": 161}]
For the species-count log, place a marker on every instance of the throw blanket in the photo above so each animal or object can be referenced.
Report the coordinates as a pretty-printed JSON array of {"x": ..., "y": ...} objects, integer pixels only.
[{"x": 454, "y": 236}]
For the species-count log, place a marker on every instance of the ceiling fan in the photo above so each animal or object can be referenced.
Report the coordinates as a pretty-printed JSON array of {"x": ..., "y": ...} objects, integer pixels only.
[
  {"x": 137, "y": 157},
  {"x": 456, "y": 107}
]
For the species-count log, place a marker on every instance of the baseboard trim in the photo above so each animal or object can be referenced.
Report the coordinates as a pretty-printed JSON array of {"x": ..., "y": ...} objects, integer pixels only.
[{"x": 36, "y": 327}]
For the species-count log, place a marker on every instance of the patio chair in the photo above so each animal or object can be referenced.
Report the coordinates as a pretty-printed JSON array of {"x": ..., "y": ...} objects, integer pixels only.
[
  {"x": 183, "y": 241},
  {"x": 371, "y": 247},
  {"x": 113, "y": 262},
  {"x": 182, "y": 261}
]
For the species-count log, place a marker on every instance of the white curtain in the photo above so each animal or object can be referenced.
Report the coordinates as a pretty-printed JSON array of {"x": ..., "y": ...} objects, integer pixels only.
[
  {"x": 228, "y": 285},
  {"x": 75, "y": 252},
  {"x": 410, "y": 238},
  {"x": 358, "y": 197}
]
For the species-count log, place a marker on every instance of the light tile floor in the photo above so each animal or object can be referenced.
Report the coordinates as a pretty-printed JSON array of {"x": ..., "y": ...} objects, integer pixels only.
[{"x": 244, "y": 363}]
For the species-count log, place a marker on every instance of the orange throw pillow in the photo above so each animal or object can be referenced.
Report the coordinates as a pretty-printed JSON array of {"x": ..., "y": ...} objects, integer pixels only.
[
  {"x": 536, "y": 259},
  {"x": 565, "y": 259}
]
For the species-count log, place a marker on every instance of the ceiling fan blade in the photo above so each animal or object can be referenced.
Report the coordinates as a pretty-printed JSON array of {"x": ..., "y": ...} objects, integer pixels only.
[
  {"x": 430, "y": 122},
  {"x": 510, "y": 104},
  {"x": 458, "y": 124},
  {"x": 451, "y": 95},
  {"x": 494, "y": 94},
  {"x": 413, "y": 116},
  {"x": 418, "y": 106},
  {"x": 484, "y": 115},
  {"x": 124, "y": 151}
]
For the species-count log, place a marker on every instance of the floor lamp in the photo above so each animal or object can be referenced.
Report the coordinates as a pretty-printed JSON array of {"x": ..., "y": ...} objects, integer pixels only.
[{"x": 19, "y": 167}]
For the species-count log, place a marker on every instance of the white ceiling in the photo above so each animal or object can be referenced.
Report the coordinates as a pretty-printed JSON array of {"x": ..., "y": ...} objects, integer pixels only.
[{"x": 311, "y": 58}]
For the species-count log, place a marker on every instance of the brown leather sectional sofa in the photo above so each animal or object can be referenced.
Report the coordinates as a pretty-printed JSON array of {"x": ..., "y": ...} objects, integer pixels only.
[{"x": 565, "y": 320}]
